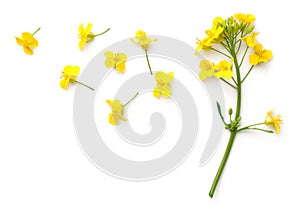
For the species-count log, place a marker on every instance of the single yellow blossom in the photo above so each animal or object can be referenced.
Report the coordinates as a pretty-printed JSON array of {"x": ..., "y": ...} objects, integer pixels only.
[
  {"x": 218, "y": 21},
  {"x": 244, "y": 18},
  {"x": 142, "y": 39},
  {"x": 117, "y": 110},
  {"x": 260, "y": 55},
  {"x": 251, "y": 39},
  {"x": 163, "y": 88},
  {"x": 274, "y": 121},
  {"x": 204, "y": 44},
  {"x": 116, "y": 60},
  {"x": 223, "y": 69},
  {"x": 28, "y": 42},
  {"x": 206, "y": 69},
  {"x": 69, "y": 75},
  {"x": 85, "y": 35},
  {"x": 214, "y": 34}
]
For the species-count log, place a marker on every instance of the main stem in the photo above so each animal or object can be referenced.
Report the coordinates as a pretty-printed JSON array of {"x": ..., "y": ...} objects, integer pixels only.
[{"x": 233, "y": 134}]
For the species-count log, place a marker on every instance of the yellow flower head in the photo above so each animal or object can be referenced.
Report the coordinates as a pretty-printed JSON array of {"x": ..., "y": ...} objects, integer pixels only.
[
  {"x": 223, "y": 69},
  {"x": 244, "y": 18},
  {"x": 163, "y": 88},
  {"x": 204, "y": 44},
  {"x": 69, "y": 75},
  {"x": 260, "y": 55},
  {"x": 274, "y": 121},
  {"x": 28, "y": 42},
  {"x": 142, "y": 39},
  {"x": 251, "y": 39},
  {"x": 115, "y": 60},
  {"x": 117, "y": 110},
  {"x": 85, "y": 35},
  {"x": 206, "y": 69}
]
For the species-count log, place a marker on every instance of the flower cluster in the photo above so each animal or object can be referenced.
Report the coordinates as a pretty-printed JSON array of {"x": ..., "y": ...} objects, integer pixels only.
[{"x": 233, "y": 38}]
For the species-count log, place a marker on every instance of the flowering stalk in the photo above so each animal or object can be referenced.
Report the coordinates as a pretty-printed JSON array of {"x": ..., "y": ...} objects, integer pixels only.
[{"x": 229, "y": 34}]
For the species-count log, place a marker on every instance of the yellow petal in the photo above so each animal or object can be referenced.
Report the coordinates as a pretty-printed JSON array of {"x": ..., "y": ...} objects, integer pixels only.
[
  {"x": 166, "y": 91},
  {"x": 64, "y": 84},
  {"x": 254, "y": 59},
  {"x": 162, "y": 77},
  {"x": 122, "y": 57},
  {"x": 156, "y": 92},
  {"x": 206, "y": 73},
  {"x": 120, "y": 67},
  {"x": 224, "y": 73},
  {"x": 110, "y": 54},
  {"x": 206, "y": 65},
  {"x": 20, "y": 41},
  {"x": 112, "y": 119},
  {"x": 109, "y": 63},
  {"x": 88, "y": 28},
  {"x": 109, "y": 102},
  {"x": 266, "y": 56},
  {"x": 28, "y": 50}
]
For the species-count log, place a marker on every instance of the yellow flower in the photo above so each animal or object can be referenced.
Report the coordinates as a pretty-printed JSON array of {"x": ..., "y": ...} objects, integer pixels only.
[
  {"x": 260, "y": 55},
  {"x": 274, "y": 121},
  {"x": 163, "y": 88},
  {"x": 28, "y": 42},
  {"x": 142, "y": 39},
  {"x": 218, "y": 21},
  {"x": 204, "y": 44},
  {"x": 206, "y": 69},
  {"x": 117, "y": 110},
  {"x": 244, "y": 18},
  {"x": 115, "y": 60},
  {"x": 85, "y": 35},
  {"x": 223, "y": 69},
  {"x": 251, "y": 39},
  {"x": 69, "y": 75}
]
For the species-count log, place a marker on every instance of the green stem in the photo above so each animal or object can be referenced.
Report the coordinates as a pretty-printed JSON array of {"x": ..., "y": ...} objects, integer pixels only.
[
  {"x": 222, "y": 165},
  {"x": 233, "y": 134},
  {"x": 84, "y": 85},
  {"x": 248, "y": 73},
  {"x": 36, "y": 31},
  {"x": 228, "y": 83},
  {"x": 220, "y": 52},
  {"x": 244, "y": 55},
  {"x": 102, "y": 32},
  {"x": 148, "y": 62},
  {"x": 131, "y": 99}
]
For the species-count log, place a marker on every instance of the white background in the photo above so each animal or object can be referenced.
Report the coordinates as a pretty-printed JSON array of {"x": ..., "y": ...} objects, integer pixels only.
[{"x": 42, "y": 168}]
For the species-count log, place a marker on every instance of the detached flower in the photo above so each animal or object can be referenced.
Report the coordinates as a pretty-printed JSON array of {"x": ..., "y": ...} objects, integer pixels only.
[
  {"x": 69, "y": 75},
  {"x": 117, "y": 110},
  {"x": 28, "y": 42},
  {"x": 274, "y": 121},
  {"x": 85, "y": 35},
  {"x": 260, "y": 55},
  {"x": 143, "y": 40},
  {"x": 115, "y": 60},
  {"x": 163, "y": 88}
]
